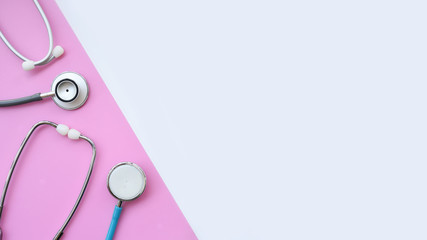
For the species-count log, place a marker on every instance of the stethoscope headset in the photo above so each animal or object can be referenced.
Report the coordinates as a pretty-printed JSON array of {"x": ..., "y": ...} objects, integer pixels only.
[
  {"x": 69, "y": 91},
  {"x": 72, "y": 134},
  {"x": 51, "y": 54}
]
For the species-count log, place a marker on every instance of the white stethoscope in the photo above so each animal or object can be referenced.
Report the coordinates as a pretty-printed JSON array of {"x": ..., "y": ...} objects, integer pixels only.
[
  {"x": 51, "y": 54},
  {"x": 126, "y": 181},
  {"x": 69, "y": 91},
  {"x": 72, "y": 134}
]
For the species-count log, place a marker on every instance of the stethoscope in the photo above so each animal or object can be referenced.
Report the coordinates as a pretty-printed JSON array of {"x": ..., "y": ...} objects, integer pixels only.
[
  {"x": 51, "y": 54},
  {"x": 126, "y": 181},
  {"x": 72, "y": 134},
  {"x": 69, "y": 91}
]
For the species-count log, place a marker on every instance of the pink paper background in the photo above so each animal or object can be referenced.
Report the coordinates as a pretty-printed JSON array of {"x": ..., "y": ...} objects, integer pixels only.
[{"x": 51, "y": 170}]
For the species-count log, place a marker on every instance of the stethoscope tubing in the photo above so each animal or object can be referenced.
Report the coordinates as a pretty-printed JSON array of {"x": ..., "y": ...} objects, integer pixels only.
[
  {"x": 114, "y": 221},
  {"x": 18, "y": 101},
  {"x": 32, "y": 98},
  {"x": 39, "y": 96},
  {"x": 82, "y": 191}
]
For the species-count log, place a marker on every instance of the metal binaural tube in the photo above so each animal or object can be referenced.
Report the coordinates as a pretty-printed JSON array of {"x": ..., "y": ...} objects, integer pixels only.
[
  {"x": 15, "y": 161},
  {"x": 82, "y": 191},
  {"x": 48, "y": 56}
]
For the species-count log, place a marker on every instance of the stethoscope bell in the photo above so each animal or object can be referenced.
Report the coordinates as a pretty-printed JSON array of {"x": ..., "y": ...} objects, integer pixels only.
[{"x": 71, "y": 90}]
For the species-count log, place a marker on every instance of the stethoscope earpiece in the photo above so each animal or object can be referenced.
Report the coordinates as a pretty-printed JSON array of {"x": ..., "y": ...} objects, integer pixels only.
[
  {"x": 57, "y": 51},
  {"x": 28, "y": 65}
]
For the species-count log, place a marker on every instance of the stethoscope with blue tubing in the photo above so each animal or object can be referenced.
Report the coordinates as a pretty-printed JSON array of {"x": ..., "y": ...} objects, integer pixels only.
[
  {"x": 53, "y": 52},
  {"x": 126, "y": 181}
]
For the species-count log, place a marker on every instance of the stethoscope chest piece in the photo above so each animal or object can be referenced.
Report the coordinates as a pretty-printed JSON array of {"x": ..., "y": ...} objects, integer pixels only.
[
  {"x": 126, "y": 181},
  {"x": 71, "y": 90}
]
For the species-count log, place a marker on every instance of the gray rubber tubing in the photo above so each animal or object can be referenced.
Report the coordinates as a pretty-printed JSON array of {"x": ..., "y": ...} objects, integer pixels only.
[{"x": 18, "y": 101}]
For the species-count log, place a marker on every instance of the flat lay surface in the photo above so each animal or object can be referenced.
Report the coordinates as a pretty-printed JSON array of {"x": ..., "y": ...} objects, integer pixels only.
[
  {"x": 52, "y": 168},
  {"x": 266, "y": 119},
  {"x": 274, "y": 119}
]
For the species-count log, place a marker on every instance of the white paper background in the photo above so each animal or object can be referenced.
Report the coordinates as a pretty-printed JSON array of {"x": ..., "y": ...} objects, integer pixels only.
[{"x": 274, "y": 119}]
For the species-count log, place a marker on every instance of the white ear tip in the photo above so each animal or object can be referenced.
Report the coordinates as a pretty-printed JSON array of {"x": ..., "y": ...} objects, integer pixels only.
[
  {"x": 57, "y": 51},
  {"x": 28, "y": 65},
  {"x": 62, "y": 129},
  {"x": 73, "y": 134}
]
